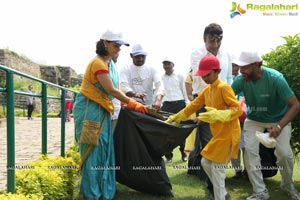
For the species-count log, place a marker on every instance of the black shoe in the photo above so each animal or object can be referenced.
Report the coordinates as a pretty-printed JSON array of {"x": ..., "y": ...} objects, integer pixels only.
[
  {"x": 184, "y": 157},
  {"x": 245, "y": 174},
  {"x": 238, "y": 175},
  {"x": 170, "y": 194},
  {"x": 211, "y": 196},
  {"x": 227, "y": 196}
]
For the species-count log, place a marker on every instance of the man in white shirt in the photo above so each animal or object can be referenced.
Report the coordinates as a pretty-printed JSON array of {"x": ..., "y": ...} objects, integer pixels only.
[
  {"x": 138, "y": 79},
  {"x": 175, "y": 98},
  {"x": 213, "y": 35}
]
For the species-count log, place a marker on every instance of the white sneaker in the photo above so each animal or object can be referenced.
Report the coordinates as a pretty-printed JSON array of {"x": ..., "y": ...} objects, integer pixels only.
[
  {"x": 259, "y": 196},
  {"x": 294, "y": 194}
]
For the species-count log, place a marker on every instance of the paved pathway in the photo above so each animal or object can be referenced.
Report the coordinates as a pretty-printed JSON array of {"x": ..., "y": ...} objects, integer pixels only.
[{"x": 28, "y": 142}]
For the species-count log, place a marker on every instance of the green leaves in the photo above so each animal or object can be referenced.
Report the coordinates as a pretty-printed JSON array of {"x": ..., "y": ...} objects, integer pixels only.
[
  {"x": 49, "y": 177},
  {"x": 286, "y": 59}
]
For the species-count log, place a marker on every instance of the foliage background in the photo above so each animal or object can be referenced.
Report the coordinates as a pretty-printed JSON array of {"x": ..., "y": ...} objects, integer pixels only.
[{"x": 286, "y": 59}]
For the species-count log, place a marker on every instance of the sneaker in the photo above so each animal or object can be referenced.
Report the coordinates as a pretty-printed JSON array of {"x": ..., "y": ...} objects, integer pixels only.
[
  {"x": 294, "y": 194},
  {"x": 259, "y": 196},
  {"x": 169, "y": 160}
]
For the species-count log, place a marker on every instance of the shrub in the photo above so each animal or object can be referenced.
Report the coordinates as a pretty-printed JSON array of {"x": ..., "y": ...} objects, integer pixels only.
[
  {"x": 74, "y": 153},
  {"x": 10, "y": 196},
  {"x": 52, "y": 178},
  {"x": 286, "y": 59}
]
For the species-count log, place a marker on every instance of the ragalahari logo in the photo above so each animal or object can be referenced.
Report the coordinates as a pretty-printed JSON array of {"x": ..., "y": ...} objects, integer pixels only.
[{"x": 236, "y": 10}]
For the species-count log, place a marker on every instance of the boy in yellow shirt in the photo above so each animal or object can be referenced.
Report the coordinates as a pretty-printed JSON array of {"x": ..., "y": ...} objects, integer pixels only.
[{"x": 223, "y": 111}]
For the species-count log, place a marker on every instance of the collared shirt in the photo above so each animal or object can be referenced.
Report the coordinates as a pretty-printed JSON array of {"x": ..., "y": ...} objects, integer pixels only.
[
  {"x": 174, "y": 85},
  {"x": 225, "y": 63},
  {"x": 141, "y": 79}
]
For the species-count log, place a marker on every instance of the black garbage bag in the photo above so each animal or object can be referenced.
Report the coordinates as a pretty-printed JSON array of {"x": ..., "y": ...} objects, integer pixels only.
[
  {"x": 268, "y": 161},
  {"x": 140, "y": 142},
  {"x": 194, "y": 164}
]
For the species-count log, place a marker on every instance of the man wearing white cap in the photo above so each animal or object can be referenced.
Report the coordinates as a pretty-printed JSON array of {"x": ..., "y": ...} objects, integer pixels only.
[
  {"x": 138, "y": 79},
  {"x": 175, "y": 98},
  {"x": 272, "y": 105}
]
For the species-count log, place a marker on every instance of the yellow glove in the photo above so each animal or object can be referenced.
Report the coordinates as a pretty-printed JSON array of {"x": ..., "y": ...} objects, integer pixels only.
[
  {"x": 212, "y": 115},
  {"x": 177, "y": 118}
]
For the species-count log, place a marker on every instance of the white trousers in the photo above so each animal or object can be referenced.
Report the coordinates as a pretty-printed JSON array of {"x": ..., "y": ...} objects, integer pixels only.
[
  {"x": 283, "y": 153},
  {"x": 216, "y": 174}
]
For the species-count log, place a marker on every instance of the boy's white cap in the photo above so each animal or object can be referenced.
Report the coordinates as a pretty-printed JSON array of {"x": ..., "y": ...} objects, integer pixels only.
[
  {"x": 138, "y": 50},
  {"x": 265, "y": 139},
  {"x": 247, "y": 57},
  {"x": 168, "y": 59},
  {"x": 114, "y": 36}
]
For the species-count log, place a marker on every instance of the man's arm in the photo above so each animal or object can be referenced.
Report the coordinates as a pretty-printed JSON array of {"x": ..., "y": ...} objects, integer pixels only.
[
  {"x": 294, "y": 108},
  {"x": 159, "y": 91}
]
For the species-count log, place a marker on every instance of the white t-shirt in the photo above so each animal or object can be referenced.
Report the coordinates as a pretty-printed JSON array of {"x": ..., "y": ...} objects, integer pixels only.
[
  {"x": 225, "y": 63},
  {"x": 142, "y": 79}
]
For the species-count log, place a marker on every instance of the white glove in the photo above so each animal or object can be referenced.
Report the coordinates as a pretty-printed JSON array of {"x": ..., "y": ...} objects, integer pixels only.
[{"x": 265, "y": 139}]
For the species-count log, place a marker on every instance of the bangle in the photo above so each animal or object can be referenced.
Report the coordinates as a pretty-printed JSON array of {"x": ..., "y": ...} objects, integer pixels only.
[{"x": 278, "y": 126}]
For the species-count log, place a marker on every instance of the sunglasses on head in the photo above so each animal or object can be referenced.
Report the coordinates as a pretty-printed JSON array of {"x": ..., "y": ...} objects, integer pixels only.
[{"x": 214, "y": 38}]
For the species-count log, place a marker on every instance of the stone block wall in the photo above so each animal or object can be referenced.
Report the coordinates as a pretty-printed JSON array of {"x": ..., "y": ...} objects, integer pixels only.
[
  {"x": 14, "y": 61},
  {"x": 61, "y": 75}
]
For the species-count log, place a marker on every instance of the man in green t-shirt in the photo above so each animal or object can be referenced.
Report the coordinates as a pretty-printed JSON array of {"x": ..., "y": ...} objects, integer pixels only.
[{"x": 272, "y": 105}]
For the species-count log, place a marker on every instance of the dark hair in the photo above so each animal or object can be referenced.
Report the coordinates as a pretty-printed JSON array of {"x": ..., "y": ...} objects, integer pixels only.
[
  {"x": 101, "y": 50},
  {"x": 212, "y": 29}
]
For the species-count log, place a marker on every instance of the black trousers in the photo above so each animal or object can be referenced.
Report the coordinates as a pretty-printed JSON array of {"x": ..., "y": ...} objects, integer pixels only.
[
  {"x": 174, "y": 107},
  {"x": 29, "y": 110},
  {"x": 202, "y": 138}
]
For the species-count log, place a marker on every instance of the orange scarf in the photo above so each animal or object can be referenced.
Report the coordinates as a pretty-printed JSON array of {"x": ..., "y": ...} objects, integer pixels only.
[{"x": 95, "y": 94}]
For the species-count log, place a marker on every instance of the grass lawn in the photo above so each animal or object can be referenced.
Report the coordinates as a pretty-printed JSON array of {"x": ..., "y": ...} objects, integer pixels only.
[{"x": 189, "y": 187}]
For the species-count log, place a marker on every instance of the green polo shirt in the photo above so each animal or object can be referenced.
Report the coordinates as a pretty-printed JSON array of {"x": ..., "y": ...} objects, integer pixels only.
[{"x": 266, "y": 98}]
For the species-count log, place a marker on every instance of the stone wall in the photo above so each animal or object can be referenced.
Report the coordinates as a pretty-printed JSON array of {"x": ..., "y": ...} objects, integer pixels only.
[
  {"x": 14, "y": 61},
  {"x": 61, "y": 75}
]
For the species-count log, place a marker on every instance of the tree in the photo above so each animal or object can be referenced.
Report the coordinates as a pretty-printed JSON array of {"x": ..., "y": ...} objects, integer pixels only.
[{"x": 286, "y": 59}]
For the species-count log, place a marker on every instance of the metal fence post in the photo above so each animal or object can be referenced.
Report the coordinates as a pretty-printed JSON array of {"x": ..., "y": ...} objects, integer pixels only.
[
  {"x": 63, "y": 122},
  {"x": 44, "y": 118},
  {"x": 10, "y": 133}
]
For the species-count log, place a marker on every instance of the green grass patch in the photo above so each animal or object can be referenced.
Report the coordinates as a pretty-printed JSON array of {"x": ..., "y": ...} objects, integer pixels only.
[{"x": 189, "y": 187}]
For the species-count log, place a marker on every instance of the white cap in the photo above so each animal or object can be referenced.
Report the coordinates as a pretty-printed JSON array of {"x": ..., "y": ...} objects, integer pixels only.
[
  {"x": 168, "y": 59},
  {"x": 265, "y": 139},
  {"x": 138, "y": 50},
  {"x": 246, "y": 58},
  {"x": 114, "y": 36}
]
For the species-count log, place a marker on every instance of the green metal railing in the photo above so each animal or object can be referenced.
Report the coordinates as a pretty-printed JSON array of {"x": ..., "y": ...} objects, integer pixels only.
[{"x": 10, "y": 114}]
